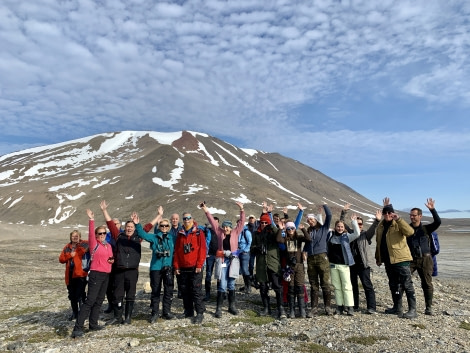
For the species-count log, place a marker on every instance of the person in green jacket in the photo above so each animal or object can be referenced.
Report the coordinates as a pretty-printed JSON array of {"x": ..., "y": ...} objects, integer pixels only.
[{"x": 392, "y": 250}]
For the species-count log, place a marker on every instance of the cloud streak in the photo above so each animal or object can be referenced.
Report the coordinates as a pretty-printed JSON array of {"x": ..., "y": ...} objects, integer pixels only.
[{"x": 75, "y": 68}]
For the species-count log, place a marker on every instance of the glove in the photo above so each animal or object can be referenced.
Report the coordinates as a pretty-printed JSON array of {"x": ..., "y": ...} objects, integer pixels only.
[
  {"x": 236, "y": 253},
  {"x": 227, "y": 253}
]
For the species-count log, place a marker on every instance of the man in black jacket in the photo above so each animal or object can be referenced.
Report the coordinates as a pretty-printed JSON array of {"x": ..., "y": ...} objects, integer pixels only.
[{"x": 420, "y": 247}]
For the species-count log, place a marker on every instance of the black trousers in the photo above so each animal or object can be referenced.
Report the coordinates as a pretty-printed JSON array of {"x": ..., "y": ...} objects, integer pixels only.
[
  {"x": 97, "y": 285},
  {"x": 76, "y": 289},
  {"x": 399, "y": 279},
  {"x": 158, "y": 279},
  {"x": 191, "y": 288},
  {"x": 358, "y": 271},
  {"x": 125, "y": 284}
]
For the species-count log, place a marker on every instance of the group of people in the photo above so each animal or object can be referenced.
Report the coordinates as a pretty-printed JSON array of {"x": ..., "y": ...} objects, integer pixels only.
[{"x": 269, "y": 253}]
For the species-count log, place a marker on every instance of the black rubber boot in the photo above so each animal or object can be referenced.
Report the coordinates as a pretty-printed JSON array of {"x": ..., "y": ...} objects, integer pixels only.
[
  {"x": 266, "y": 305},
  {"x": 397, "y": 308},
  {"x": 128, "y": 315},
  {"x": 220, "y": 302},
  {"x": 327, "y": 302},
  {"x": 207, "y": 285},
  {"x": 291, "y": 302},
  {"x": 339, "y": 310},
  {"x": 428, "y": 295},
  {"x": 313, "y": 303},
  {"x": 117, "y": 319},
  {"x": 411, "y": 298},
  {"x": 232, "y": 309},
  {"x": 74, "y": 306},
  {"x": 281, "y": 314}
]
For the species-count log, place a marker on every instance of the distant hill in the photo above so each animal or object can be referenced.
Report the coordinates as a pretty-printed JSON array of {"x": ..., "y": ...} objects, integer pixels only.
[{"x": 139, "y": 171}]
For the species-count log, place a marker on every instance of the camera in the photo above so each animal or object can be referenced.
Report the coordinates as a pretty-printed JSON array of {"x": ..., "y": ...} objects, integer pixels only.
[
  {"x": 202, "y": 204},
  {"x": 187, "y": 248},
  {"x": 164, "y": 253}
]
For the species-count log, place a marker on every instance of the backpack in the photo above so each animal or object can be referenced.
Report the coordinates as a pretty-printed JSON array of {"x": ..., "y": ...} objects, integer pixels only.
[
  {"x": 434, "y": 240},
  {"x": 86, "y": 259}
]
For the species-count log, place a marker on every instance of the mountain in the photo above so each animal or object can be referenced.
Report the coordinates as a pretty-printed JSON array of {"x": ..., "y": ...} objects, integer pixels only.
[{"x": 139, "y": 171}]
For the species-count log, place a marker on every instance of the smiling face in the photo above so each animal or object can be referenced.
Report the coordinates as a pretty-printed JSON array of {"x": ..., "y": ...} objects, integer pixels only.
[
  {"x": 75, "y": 237},
  {"x": 175, "y": 218},
  {"x": 339, "y": 227},
  {"x": 312, "y": 222},
  {"x": 100, "y": 234},
  {"x": 187, "y": 220},
  {"x": 130, "y": 228}
]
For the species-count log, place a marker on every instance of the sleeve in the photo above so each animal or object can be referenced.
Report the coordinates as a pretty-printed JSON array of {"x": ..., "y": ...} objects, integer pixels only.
[
  {"x": 356, "y": 233},
  {"x": 298, "y": 219},
  {"x": 201, "y": 258},
  {"x": 65, "y": 255},
  {"x": 328, "y": 216},
  {"x": 435, "y": 224},
  {"x": 114, "y": 230},
  {"x": 142, "y": 234}
]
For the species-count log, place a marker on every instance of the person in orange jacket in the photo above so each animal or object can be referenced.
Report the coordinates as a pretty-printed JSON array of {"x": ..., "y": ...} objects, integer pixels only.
[{"x": 75, "y": 276}]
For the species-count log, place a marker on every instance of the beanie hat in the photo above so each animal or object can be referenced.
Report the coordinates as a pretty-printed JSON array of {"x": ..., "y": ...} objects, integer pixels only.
[
  {"x": 317, "y": 217},
  {"x": 265, "y": 218},
  {"x": 290, "y": 225},
  {"x": 388, "y": 208},
  {"x": 227, "y": 224}
]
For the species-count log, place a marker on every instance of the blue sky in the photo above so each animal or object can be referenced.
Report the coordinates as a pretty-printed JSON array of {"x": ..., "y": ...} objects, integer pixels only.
[{"x": 373, "y": 94}]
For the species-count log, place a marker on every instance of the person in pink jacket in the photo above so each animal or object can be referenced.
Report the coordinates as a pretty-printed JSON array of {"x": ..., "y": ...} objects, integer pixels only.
[{"x": 101, "y": 261}]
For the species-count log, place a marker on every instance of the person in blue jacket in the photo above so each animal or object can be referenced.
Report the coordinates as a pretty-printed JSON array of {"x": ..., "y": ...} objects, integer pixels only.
[{"x": 161, "y": 271}]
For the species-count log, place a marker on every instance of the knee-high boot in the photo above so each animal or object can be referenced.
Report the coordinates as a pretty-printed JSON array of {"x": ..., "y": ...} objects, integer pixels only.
[
  {"x": 220, "y": 302},
  {"x": 263, "y": 290},
  {"x": 128, "y": 313},
  {"x": 291, "y": 302},
  {"x": 207, "y": 285},
  {"x": 301, "y": 301},
  {"x": 327, "y": 302},
  {"x": 411, "y": 298},
  {"x": 281, "y": 314},
  {"x": 428, "y": 295},
  {"x": 232, "y": 309}
]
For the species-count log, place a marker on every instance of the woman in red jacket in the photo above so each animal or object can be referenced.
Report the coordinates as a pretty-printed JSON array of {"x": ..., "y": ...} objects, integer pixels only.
[{"x": 75, "y": 276}]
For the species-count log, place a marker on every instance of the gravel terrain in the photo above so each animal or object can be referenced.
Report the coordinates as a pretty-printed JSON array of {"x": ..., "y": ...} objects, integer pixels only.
[{"x": 35, "y": 308}]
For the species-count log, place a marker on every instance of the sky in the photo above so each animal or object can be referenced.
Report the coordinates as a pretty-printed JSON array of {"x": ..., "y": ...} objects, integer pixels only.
[{"x": 375, "y": 95}]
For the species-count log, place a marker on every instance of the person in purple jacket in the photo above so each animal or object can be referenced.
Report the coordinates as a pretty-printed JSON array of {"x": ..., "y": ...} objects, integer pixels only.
[{"x": 100, "y": 268}]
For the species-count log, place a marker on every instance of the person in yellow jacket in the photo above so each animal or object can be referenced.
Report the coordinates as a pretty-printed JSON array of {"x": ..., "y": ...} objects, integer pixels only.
[{"x": 392, "y": 250}]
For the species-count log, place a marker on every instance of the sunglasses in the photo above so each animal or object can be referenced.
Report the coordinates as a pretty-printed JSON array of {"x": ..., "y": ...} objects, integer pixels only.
[
  {"x": 187, "y": 218},
  {"x": 388, "y": 212},
  {"x": 263, "y": 222},
  {"x": 290, "y": 228},
  {"x": 101, "y": 233},
  {"x": 164, "y": 225},
  {"x": 359, "y": 224}
]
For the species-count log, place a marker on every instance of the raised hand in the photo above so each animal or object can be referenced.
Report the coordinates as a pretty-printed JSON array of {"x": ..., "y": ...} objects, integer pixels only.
[
  {"x": 347, "y": 206},
  {"x": 160, "y": 210},
  {"x": 430, "y": 203},
  {"x": 239, "y": 204},
  {"x": 103, "y": 205},
  {"x": 135, "y": 217},
  {"x": 90, "y": 214},
  {"x": 386, "y": 201},
  {"x": 299, "y": 206},
  {"x": 378, "y": 214}
]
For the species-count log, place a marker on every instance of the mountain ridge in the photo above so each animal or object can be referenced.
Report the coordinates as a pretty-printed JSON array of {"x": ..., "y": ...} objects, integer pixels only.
[{"x": 140, "y": 170}]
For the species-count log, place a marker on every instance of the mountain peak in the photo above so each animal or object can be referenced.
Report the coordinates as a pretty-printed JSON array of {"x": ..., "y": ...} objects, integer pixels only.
[{"x": 140, "y": 170}]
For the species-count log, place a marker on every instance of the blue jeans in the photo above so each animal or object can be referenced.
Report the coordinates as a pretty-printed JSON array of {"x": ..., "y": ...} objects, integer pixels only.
[
  {"x": 226, "y": 282},
  {"x": 210, "y": 262},
  {"x": 244, "y": 263}
]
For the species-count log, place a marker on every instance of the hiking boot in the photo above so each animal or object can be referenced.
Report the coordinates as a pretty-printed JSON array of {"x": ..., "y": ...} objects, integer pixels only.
[
  {"x": 198, "y": 319},
  {"x": 96, "y": 328},
  {"x": 153, "y": 318},
  {"x": 349, "y": 311}
]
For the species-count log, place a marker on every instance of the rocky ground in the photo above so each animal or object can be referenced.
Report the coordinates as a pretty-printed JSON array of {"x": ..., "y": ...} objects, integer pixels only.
[{"x": 34, "y": 312}]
